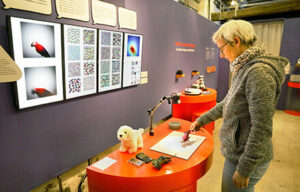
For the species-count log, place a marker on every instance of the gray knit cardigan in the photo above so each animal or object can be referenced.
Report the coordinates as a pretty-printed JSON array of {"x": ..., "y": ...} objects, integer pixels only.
[{"x": 248, "y": 109}]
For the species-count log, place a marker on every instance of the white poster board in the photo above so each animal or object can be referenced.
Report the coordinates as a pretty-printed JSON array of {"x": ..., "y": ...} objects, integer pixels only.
[
  {"x": 37, "y": 52},
  {"x": 80, "y": 47},
  {"x": 110, "y": 60},
  {"x": 132, "y": 59},
  {"x": 172, "y": 145}
]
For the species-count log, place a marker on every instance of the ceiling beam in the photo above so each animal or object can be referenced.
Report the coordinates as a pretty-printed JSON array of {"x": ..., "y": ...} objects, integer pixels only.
[
  {"x": 268, "y": 9},
  {"x": 193, "y": 4}
]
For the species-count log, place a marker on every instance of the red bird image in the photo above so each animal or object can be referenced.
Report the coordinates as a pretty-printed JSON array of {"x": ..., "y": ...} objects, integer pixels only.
[
  {"x": 41, "y": 92},
  {"x": 40, "y": 49}
]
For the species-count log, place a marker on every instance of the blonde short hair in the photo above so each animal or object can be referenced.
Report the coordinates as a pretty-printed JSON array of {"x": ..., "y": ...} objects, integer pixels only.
[{"x": 236, "y": 28}]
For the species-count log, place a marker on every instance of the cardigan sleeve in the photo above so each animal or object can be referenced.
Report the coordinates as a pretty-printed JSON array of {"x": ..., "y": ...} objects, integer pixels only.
[{"x": 212, "y": 115}]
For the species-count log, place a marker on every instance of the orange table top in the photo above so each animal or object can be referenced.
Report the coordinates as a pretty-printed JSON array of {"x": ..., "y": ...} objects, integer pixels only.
[
  {"x": 202, "y": 98},
  {"x": 185, "y": 171}
]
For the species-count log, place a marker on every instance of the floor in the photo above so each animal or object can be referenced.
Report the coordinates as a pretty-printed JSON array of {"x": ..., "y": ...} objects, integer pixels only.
[{"x": 284, "y": 171}]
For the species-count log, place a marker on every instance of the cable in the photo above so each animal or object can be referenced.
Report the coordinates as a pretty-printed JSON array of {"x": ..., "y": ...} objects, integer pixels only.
[{"x": 84, "y": 177}]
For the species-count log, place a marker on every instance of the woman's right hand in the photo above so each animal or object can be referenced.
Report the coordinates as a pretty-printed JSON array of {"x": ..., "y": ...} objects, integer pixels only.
[{"x": 195, "y": 126}]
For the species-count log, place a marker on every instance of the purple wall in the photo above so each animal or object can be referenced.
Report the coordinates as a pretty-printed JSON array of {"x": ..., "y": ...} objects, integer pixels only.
[
  {"x": 40, "y": 142},
  {"x": 290, "y": 48},
  {"x": 223, "y": 79},
  {"x": 290, "y": 45}
]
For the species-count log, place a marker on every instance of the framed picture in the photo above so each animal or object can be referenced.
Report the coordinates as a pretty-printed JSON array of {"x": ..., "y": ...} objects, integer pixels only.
[
  {"x": 80, "y": 61},
  {"x": 110, "y": 60},
  {"x": 37, "y": 51},
  {"x": 132, "y": 59}
]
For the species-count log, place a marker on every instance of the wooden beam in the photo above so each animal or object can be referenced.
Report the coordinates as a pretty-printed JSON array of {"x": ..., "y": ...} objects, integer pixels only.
[
  {"x": 268, "y": 9},
  {"x": 199, "y": 7},
  {"x": 193, "y": 4},
  {"x": 186, "y": 3}
]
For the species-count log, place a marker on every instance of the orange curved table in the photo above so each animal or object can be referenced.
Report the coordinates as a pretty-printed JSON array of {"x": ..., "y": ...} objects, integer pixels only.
[
  {"x": 193, "y": 106},
  {"x": 179, "y": 175}
]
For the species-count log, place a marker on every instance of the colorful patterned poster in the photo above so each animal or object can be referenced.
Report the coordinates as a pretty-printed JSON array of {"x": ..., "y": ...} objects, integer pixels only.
[
  {"x": 37, "y": 52},
  {"x": 110, "y": 60},
  {"x": 132, "y": 59},
  {"x": 80, "y": 61}
]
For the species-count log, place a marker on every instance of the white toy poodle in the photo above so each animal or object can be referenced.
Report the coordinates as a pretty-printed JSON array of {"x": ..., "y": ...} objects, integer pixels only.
[{"x": 130, "y": 139}]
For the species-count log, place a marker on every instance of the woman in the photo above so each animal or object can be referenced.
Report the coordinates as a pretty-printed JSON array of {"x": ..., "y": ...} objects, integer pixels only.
[{"x": 248, "y": 107}]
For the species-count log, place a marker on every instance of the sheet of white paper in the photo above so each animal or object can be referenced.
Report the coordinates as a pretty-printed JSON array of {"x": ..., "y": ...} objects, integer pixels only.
[
  {"x": 104, "y": 163},
  {"x": 172, "y": 145}
]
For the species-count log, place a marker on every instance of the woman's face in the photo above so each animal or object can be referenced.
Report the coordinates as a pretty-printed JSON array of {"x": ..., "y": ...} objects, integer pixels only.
[{"x": 229, "y": 50}]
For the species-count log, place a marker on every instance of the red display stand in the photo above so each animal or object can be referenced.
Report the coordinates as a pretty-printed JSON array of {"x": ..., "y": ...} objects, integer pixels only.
[
  {"x": 293, "y": 84},
  {"x": 179, "y": 175},
  {"x": 193, "y": 106},
  {"x": 293, "y": 103}
]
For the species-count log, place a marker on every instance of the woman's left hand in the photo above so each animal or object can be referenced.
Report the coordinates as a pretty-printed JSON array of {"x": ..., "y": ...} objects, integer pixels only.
[{"x": 239, "y": 180}]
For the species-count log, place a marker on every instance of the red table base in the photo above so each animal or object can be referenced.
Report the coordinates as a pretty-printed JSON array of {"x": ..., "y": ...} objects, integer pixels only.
[
  {"x": 296, "y": 113},
  {"x": 192, "y": 107},
  {"x": 179, "y": 175},
  {"x": 292, "y": 107}
]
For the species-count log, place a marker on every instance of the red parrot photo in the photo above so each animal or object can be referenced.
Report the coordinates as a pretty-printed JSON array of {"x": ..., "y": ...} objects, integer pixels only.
[
  {"x": 40, "y": 49},
  {"x": 41, "y": 92}
]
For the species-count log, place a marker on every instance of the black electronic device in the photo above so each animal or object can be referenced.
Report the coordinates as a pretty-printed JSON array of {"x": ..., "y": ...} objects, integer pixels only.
[
  {"x": 157, "y": 163},
  {"x": 136, "y": 162},
  {"x": 143, "y": 157}
]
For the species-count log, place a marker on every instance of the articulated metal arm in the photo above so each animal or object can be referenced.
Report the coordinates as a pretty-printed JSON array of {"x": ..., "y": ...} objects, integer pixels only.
[{"x": 174, "y": 98}]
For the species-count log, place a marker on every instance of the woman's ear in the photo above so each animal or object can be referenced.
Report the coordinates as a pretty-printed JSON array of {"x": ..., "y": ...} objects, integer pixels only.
[{"x": 237, "y": 41}]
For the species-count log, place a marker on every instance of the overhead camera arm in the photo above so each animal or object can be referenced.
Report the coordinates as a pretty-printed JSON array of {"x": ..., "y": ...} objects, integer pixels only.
[{"x": 173, "y": 98}]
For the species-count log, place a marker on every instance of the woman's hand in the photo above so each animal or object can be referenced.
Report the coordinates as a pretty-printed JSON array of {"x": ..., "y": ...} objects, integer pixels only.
[
  {"x": 239, "y": 180},
  {"x": 195, "y": 126}
]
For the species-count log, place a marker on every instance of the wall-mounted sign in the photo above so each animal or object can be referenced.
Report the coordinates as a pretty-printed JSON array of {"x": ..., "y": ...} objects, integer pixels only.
[
  {"x": 38, "y": 6},
  {"x": 104, "y": 13},
  {"x": 185, "y": 47},
  {"x": 211, "y": 69},
  {"x": 73, "y": 9},
  {"x": 127, "y": 18},
  {"x": 144, "y": 77},
  {"x": 9, "y": 71},
  {"x": 209, "y": 53}
]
